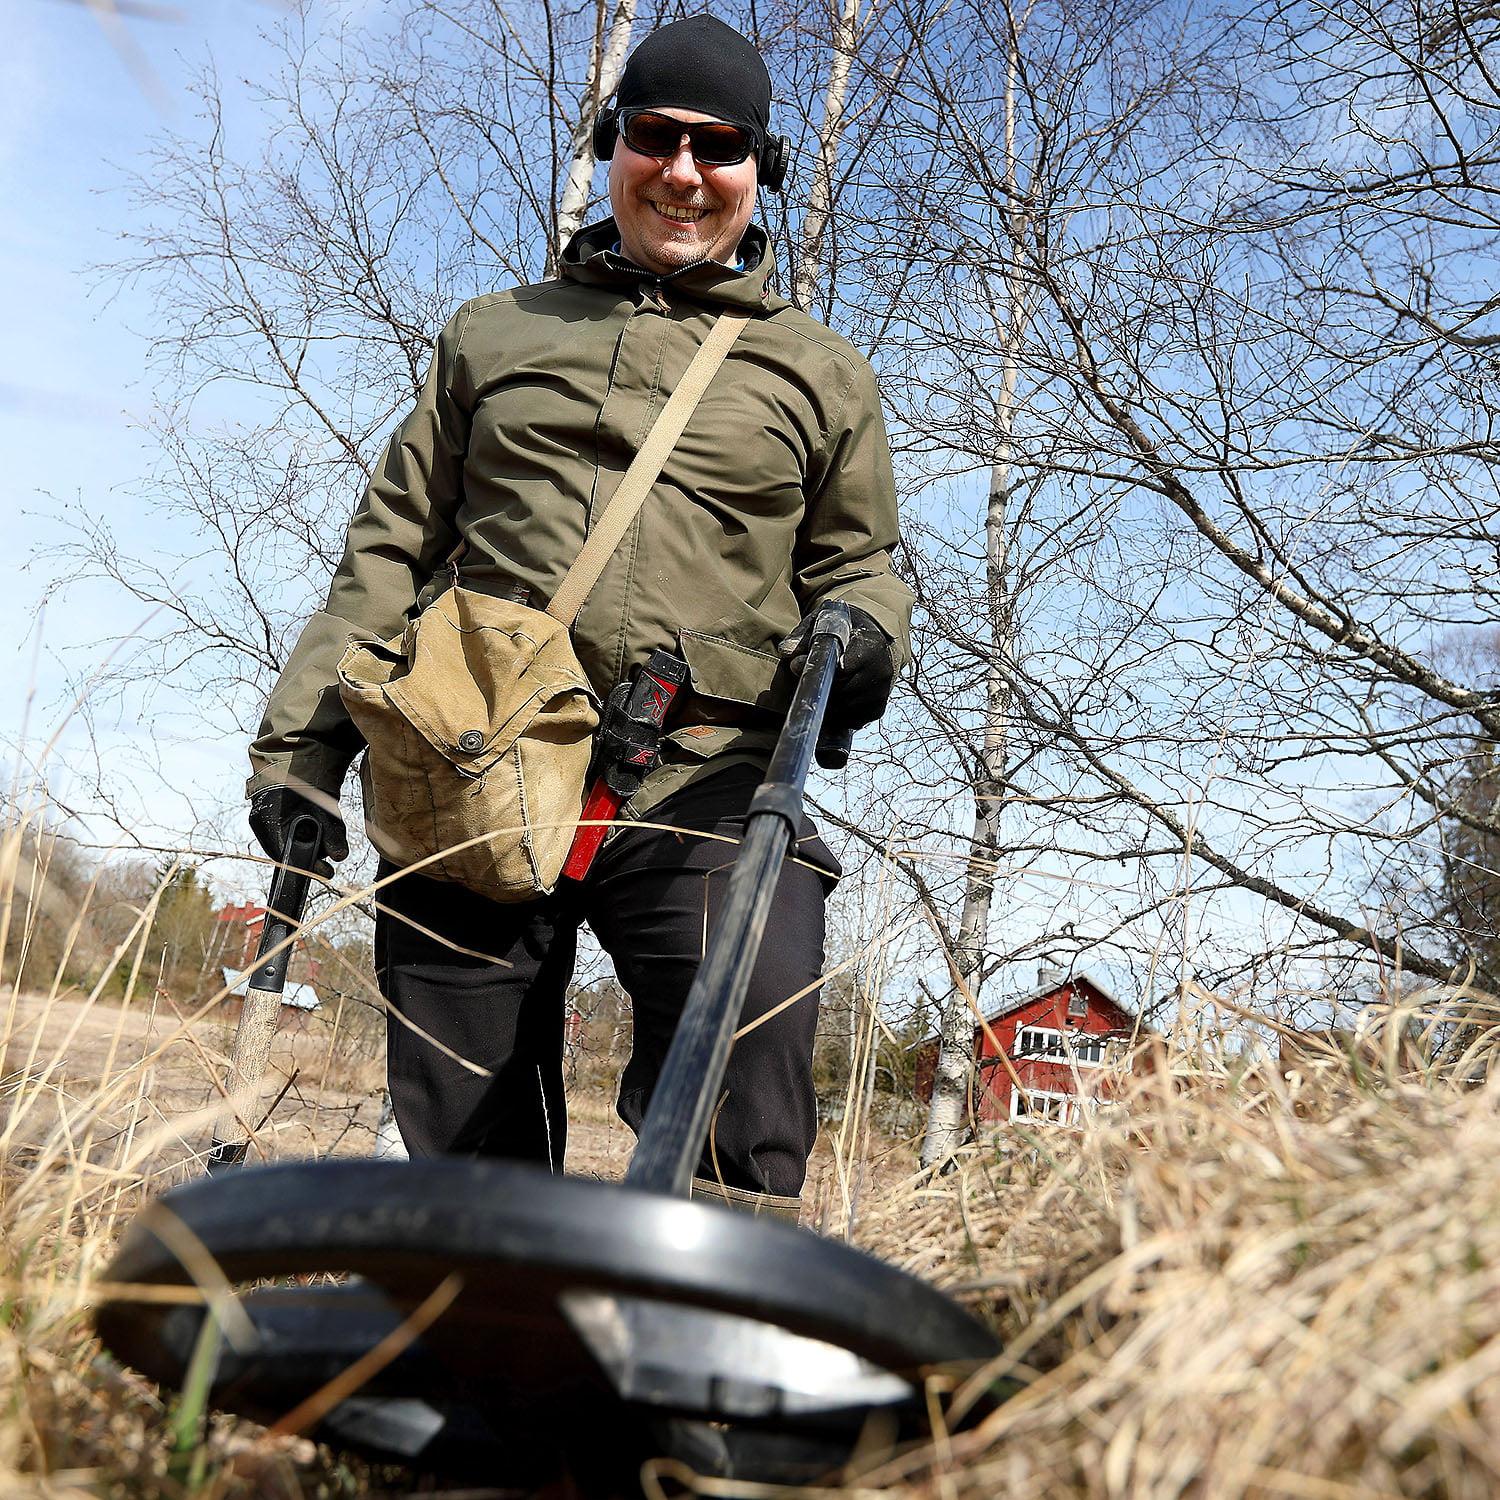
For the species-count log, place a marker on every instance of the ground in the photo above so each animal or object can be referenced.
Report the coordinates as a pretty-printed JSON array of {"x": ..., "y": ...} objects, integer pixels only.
[
  {"x": 1244, "y": 1283},
  {"x": 158, "y": 1118}
]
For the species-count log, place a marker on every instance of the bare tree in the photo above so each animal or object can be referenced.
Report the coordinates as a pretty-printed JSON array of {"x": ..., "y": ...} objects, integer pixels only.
[
  {"x": 606, "y": 62},
  {"x": 1005, "y": 121},
  {"x": 820, "y": 197},
  {"x": 1253, "y": 471},
  {"x": 947, "y": 1120},
  {"x": 299, "y": 281}
]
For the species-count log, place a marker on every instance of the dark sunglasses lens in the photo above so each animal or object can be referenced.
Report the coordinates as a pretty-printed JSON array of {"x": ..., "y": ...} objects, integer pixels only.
[
  {"x": 720, "y": 145},
  {"x": 652, "y": 135},
  {"x": 660, "y": 135}
]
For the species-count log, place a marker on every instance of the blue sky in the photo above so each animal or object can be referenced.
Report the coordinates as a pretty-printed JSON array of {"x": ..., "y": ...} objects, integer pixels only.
[{"x": 75, "y": 116}]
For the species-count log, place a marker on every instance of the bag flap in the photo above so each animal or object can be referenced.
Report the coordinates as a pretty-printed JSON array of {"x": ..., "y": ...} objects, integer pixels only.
[
  {"x": 370, "y": 664},
  {"x": 477, "y": 670}
]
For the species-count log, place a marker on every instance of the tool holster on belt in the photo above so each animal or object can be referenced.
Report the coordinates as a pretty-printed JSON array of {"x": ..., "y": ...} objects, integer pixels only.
[{"x": 627, "y": 746}]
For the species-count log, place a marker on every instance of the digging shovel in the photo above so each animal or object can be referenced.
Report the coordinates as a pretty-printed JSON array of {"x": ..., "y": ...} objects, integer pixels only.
[{"x": 262, "y": 1010}]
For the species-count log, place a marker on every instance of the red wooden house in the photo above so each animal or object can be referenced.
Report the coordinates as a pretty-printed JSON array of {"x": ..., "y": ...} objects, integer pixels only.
[
  {"x": 1066, "y": 1041},
  {"x": 240, "y": 934},
  {"x": 237, "y": 941}
]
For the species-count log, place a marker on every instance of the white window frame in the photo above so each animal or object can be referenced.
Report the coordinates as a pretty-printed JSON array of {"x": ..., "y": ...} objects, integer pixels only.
[
  {"x": 1057, "y": 1109},
  {"x": 1058, "y": 1046}
]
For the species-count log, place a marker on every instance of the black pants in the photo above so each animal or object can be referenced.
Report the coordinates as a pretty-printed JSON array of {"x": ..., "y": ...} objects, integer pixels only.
[{"x": 475, "y": 1044}]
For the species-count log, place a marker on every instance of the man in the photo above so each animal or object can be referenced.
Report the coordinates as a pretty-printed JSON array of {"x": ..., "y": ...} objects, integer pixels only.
[{"x": 777, "y": 496}]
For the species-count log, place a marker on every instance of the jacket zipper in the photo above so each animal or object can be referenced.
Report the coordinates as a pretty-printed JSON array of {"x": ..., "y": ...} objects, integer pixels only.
[{"x": 655, "y": 285}]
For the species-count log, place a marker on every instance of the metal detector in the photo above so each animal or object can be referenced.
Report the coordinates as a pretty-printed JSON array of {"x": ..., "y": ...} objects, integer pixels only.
[{"x": 597, "y": 1325}]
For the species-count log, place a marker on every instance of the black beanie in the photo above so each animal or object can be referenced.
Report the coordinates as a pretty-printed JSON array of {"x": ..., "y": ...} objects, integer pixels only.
[{"x": 699, "y": 64}]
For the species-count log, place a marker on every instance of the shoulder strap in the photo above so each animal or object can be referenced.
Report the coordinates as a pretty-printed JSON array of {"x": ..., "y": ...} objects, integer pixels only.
[{"x": 645, "y": 468}]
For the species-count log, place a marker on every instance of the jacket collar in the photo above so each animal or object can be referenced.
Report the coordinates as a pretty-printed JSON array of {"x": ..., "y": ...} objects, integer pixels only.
[{"x": 590, "y": 258}]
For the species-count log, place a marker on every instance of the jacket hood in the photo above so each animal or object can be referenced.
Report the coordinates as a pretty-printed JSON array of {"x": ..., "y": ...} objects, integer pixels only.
[{"x": 591, "y": 258}]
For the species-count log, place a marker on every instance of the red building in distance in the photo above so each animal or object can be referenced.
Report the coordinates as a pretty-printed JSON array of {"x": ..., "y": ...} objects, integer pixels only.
[
  {"x": 1065, "y": 1041},
  {"x": 241, "y": 934},
  {"x": 240, "y": 937}
]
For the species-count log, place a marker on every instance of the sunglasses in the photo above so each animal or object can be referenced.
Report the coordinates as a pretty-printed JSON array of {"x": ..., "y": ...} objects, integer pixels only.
[{"x": 714, "y": 143}]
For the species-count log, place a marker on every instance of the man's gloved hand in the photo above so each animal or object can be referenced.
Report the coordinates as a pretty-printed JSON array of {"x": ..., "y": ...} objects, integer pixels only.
[
  {"x": 862, "y": 685},
  {"x": 273, "y": 809}
]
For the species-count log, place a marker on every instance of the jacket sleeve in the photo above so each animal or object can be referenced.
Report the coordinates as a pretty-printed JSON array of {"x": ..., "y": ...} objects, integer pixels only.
[
  {"x": 404, "y": 530},
  {"x": 849, "y": 529}
]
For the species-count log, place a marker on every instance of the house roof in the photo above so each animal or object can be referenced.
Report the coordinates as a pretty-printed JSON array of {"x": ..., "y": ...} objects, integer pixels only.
[
  {"x": 1051, "y": 987},
  {"x": 1012, "y": 1003},
  {"x": 249, "y": 914}
]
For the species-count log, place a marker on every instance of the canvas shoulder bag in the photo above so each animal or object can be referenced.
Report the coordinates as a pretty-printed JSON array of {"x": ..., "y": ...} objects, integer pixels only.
[{"x": 479, "y": 720}]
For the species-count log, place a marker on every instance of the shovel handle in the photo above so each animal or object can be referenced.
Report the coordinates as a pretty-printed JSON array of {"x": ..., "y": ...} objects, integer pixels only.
[{"x": 262, "y": 1009}]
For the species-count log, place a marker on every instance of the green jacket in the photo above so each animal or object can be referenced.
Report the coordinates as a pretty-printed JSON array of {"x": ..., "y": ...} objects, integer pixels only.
[{"x": 778, "y": 495}]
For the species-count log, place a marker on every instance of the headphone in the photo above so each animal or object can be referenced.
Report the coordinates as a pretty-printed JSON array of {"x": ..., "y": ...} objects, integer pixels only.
[{"x": 772, "y": 161}]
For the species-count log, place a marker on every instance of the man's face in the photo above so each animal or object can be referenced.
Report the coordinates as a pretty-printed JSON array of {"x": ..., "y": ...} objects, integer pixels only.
[{"x": 676, "y": 211}]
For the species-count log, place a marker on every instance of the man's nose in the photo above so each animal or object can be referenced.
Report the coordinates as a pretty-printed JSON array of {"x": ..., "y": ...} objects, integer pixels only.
[{"x": 681, "y": 168}]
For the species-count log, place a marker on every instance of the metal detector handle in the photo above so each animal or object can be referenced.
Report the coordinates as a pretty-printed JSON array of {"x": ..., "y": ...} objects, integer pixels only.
[
  {"x": 834, "y": 748},
  {"x": 262, "y": 1009},
  {"x": 687, "y": 1090}
]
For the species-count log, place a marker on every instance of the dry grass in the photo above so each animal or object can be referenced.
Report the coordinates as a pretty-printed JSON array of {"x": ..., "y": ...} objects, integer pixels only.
[
  {"x": 1235, "y": 1285},
  {"x": 1248, "y": 1290}
]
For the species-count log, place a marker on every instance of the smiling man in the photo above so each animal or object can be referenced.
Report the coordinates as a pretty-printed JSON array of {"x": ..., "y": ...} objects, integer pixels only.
[{"x": 777, "y": 496}]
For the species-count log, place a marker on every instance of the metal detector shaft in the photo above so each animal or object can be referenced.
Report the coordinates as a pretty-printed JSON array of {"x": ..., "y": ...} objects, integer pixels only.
[
  {"x": 262, "y": 1009},
  {"x": 687, "y": 1090}
]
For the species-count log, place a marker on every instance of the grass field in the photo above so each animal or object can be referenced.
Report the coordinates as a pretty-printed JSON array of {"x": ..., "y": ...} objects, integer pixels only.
[{"x": 1238, "y": 1282}]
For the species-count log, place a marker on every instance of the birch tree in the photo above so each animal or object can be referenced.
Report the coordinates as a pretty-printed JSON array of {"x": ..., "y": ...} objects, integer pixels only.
[
  {"x": 843, "y": 45},
  {"x": 606, "y": 63},
  {"x": 947, "y": 1120},
  {"x": 1008, "y": 119}
]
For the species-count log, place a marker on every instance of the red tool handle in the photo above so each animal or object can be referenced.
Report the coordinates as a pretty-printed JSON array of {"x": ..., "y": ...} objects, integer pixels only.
[
  {"x": 647, "y": 704},
  {"x": 598, "y": 813}
]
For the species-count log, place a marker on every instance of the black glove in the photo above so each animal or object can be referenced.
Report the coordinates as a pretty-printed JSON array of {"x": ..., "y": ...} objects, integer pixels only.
[
  {"x": 273, "y": 809},
  {"x": 862, "y": 684}
]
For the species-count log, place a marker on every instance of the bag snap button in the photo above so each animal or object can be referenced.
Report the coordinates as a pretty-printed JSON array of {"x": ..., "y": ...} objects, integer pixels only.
[{"x": 470, "y": 741}]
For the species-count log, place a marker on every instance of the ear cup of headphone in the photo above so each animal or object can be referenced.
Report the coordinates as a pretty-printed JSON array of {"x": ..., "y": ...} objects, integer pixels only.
[
  {"x": 775, "y": 158},
  {"x": 606, "y": 133}
]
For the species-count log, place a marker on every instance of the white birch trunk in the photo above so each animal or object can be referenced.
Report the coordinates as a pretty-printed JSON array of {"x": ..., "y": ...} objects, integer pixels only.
[
  {"x": 388, "y": 1143},
  {"x": 947, "y": 1116},
  {"x": 820, "y": 194},
  {"x": 606, "y": 62}
]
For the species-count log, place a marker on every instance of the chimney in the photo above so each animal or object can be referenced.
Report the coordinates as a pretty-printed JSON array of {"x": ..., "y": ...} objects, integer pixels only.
[{"x": 1049, "y": 975}]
